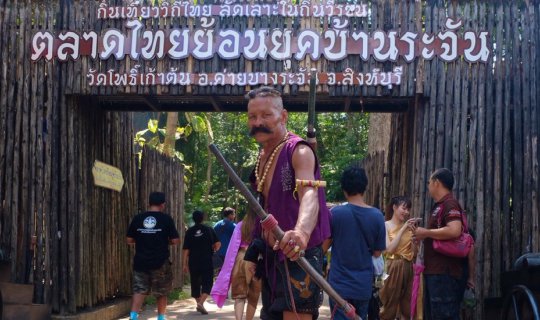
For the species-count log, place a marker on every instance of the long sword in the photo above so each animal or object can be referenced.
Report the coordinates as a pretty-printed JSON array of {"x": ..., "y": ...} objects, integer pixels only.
[
  {"x": 278, "y": 233},
  {"x": 311, "y": 134}
]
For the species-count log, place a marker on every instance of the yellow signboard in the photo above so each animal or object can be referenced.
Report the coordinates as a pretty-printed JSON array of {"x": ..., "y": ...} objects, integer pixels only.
[{"x": 107, "y": 176}]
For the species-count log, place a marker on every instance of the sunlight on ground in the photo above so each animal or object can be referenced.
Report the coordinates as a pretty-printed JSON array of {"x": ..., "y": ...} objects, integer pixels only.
[{"x": 185, "y": 310}]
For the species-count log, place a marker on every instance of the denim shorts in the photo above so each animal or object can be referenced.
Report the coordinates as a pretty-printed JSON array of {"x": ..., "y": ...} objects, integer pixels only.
[
  {"x": 443, "y": 296},
  {"x": 158, "y": 281}
]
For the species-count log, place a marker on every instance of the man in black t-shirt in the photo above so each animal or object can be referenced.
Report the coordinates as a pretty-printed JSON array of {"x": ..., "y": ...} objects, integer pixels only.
[
  {"x": 152, "y": 232},
  {"x": 200, "y": 243}
]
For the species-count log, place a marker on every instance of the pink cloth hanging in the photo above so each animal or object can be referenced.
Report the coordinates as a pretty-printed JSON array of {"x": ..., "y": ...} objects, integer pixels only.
[{"x": 221, "y": 287}]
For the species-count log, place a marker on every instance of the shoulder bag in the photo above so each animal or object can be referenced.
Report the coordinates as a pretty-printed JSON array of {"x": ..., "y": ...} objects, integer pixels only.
[{"x": 458, "y": 247}]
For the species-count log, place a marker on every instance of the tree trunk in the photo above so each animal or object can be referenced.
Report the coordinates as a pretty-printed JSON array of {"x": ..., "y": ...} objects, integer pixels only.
[
  {"x": 170, "y": 135},
  {"x": 209, "y": 166}
]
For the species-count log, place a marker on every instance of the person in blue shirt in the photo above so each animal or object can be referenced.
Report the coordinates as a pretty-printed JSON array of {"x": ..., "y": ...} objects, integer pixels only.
[
  {"x": 358, "y": 234},
  {"x": 224, "y": 229}
]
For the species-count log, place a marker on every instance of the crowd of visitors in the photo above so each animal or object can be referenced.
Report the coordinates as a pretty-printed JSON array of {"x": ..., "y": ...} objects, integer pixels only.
[{"x": 386, "y": 266}]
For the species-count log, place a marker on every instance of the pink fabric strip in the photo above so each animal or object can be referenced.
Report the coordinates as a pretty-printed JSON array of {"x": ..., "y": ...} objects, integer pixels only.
[{"x": 220, "y": 289}]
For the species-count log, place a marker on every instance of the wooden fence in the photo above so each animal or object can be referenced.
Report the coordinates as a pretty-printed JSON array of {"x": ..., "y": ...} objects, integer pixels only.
[
  {"x": 482, "y": 122},
  {"x": 49, "y": 141},
  {"x": 80, "y": 257},
  {"x": 493, "y": 145},
  {"x": 479, "y": 119},
  {"x": 375, "y": 167}
]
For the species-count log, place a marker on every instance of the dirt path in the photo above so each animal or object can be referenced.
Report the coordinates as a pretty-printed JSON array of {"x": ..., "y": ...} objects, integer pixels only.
[{"x": 185, "y": 310}]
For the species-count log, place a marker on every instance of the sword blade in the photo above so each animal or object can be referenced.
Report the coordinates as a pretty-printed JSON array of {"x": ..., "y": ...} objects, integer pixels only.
[
  {"x": 311, "y": 134},
  {"x": 311, "y": 100}
]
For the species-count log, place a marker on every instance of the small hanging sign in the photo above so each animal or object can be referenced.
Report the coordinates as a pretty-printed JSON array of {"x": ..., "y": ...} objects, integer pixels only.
[{"x": 107, "y": 176}]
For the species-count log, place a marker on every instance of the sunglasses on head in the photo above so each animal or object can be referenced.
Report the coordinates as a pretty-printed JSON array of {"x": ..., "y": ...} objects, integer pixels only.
[{"x": 263, "y": 92}]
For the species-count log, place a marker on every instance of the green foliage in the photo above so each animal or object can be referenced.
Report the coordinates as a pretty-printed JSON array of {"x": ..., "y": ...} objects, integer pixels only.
[
  {"x": 153, "y": 125},
  {"x": 154, "y": 135},
  {"x": 197, "y": 122},
  {"x": 230, "y": 136},
  {"x": 341, "y": 139}
]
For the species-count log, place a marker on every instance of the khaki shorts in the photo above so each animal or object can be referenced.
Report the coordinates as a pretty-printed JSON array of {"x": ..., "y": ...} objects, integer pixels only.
[
  {"x": 243, "y": 284},
  {"x": 158, "y": 281}
]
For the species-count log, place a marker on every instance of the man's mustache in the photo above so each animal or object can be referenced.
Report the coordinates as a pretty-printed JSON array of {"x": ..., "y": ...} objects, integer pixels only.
[{"x": 261, "y": 129}]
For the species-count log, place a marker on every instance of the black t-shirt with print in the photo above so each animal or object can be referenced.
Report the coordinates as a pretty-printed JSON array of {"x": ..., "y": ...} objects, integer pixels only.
[
  {"x": 199, "y": 240},
  {"x": 152, "y": 231}
]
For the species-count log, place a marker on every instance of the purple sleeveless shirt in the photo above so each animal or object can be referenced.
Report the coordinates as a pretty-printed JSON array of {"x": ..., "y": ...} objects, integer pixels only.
[{"x": 281, "y": 203}]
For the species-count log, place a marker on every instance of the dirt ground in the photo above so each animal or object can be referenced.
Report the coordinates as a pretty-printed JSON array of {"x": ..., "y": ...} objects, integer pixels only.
[{"x": 185, "y": 310}]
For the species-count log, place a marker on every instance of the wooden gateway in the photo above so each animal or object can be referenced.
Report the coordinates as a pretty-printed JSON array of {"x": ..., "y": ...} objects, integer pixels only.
[{"x": 458, "y": 80}]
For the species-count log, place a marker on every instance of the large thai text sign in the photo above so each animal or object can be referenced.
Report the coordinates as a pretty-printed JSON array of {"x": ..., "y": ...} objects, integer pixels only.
[
  {"x": 338, "y": 37},
  {"x": 334, "y": 44}
]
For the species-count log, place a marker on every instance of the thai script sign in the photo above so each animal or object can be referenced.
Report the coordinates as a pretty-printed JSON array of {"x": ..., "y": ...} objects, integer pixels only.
[
  {"x": 107, "y": 176},
  {"x": 227, "y": 9},
  {"x": 280, "y": 44},
  {"x": 348, "y": 77},
  {"x": 203, "y": 40}
]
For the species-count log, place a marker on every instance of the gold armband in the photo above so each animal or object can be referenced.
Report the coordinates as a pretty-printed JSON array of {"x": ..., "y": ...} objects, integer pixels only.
[{"x": 308, "y": 183}]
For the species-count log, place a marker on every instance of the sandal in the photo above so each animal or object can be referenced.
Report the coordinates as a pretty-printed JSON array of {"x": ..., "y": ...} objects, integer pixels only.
[{"x": 201, "y": 309}]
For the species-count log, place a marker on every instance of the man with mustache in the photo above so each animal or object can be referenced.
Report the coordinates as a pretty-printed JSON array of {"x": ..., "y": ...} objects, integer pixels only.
[{"x": 300, "y": 211}]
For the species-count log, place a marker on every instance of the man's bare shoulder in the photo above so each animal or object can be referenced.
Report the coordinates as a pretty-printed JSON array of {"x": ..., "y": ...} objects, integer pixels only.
[
  {"x": 303, "y": 157},
  {"x": 303, "y": 162},
  {"x": 302, "y": 149}
]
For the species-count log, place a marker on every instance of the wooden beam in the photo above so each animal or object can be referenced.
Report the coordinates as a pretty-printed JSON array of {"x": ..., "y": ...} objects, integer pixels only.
[
  {"x": 236, "y": 103},
  {"x": 152, "y": 102},
  {"x": 215, "y": 104},
  {"x": 347, "y": 104}
]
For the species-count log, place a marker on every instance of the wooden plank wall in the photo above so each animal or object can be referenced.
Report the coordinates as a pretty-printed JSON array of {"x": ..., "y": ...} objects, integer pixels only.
[
  {"x": 87, "y": 231},
  {"x": 49, "y": 140},
  {"x": 480, "y": 120},
  {"x": 375, "y": 168},
  {"x": 159, "y": 173}
]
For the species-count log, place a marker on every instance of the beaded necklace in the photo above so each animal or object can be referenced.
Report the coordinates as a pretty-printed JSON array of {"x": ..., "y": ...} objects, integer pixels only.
[{"x": 260, "y": 180}]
